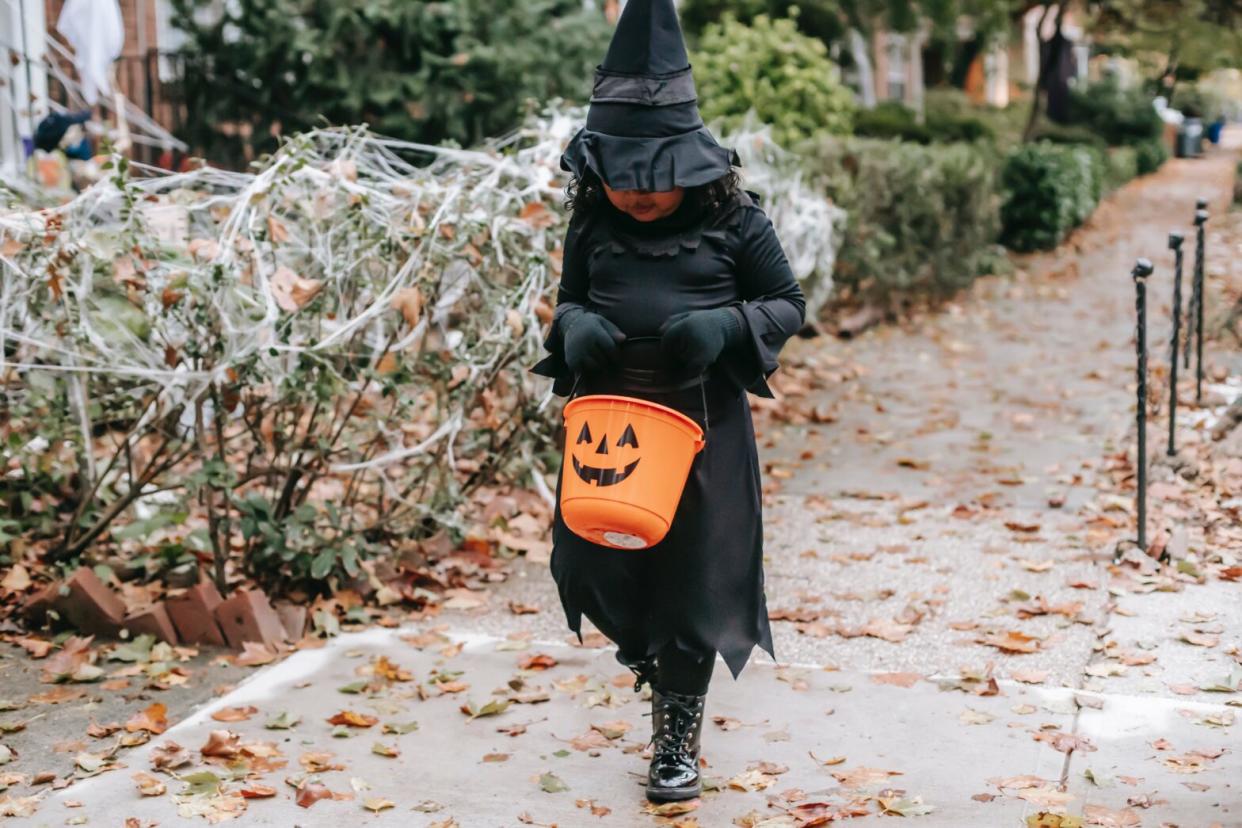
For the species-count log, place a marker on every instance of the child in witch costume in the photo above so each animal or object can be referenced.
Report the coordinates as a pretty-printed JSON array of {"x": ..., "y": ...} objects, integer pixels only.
[{"x": 674, "y": 289}]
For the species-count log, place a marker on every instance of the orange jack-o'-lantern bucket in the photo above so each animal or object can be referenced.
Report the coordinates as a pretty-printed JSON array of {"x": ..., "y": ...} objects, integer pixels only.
[{"x": 626, "y": 464}]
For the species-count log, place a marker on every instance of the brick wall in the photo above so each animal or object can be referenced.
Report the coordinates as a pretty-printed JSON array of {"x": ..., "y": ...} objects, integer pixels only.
[{"x": 137, "y": 71}]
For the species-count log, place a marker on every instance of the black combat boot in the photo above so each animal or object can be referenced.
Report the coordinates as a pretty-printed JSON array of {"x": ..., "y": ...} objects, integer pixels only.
[{"x": 677, "y": 727}]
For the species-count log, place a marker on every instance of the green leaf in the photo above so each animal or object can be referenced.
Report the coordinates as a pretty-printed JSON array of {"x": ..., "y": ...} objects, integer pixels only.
[
  {"x": 201, "y": 782},
  {"x": 322, "y": 563},
  {"x": 494, "y": 707},
  {"x": 354, "y": 687},
  {"x": 551, "y": 783},
  {"x": 138, "y": 650},
  {"x": 283, "y": 721},
  {"x": 400, "y": 728}
]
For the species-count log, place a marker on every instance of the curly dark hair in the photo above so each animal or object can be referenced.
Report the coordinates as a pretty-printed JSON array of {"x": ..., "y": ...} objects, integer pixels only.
[{"x": 584, "y": 195}]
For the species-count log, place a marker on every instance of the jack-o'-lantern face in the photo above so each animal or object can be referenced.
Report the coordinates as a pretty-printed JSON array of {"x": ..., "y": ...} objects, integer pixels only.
[{"x": 618, "y": 467}]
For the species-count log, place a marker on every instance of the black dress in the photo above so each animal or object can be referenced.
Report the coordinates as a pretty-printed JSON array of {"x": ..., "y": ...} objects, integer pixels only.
[{"x": 702, "y": 586}]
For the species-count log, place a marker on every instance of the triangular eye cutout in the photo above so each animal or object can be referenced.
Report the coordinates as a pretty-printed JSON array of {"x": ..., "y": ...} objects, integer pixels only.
[
  {"x": 603, "y": 445},
  {"x": 628, "y": 438},
  {"x": 584, "y": 436}
]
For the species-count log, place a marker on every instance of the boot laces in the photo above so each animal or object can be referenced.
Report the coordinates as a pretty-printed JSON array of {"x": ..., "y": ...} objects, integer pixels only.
[
  {"x": 644, "y": 672},
  {"x": 680, "y": 717}
]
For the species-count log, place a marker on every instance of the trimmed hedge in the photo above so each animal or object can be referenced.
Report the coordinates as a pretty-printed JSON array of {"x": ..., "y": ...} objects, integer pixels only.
[
  {"x": 1121, "y": 166},
  {"x": 1122, "y": 117},
  {"x": 1049, "y": 189},
  {"x": 921, "y": 219},
  {"x": 895, "y": 121},
  {"x": 1150, "y": 156}
]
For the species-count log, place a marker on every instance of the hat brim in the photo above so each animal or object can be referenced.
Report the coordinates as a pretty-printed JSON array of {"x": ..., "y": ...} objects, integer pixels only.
[{"x": 690, "y": 159}]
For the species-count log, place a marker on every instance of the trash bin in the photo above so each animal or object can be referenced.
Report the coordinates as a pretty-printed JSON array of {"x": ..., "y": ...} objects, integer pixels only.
[
  {"x": 1214, "y": 130},
  {"x": 1190, "y": 139}
]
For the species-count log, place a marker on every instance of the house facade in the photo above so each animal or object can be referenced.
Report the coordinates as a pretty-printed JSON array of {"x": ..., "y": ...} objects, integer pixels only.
[{"x": 37, "y": 59}]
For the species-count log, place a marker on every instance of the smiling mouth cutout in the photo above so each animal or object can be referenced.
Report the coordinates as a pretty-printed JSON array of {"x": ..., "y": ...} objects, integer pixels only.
[{"x": 601, "y": 476}]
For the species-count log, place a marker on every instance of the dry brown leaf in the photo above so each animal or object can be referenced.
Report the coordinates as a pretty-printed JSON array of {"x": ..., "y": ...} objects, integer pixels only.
[
  {"x": 409, "y": 301},
  {"x": 148, "y": 785},
  {"x": 353, "y": 718},
  {"x": 169, "y": 756},
  {"x": 255, "y": 654},
  {"x": 863, "y": 777},
  {"x": 291, "y": 291},
  {"x": 1011, "y": 641},
  {"x": 537, "y": 661},
  {"x": 308, "y": 795},
  {"x": 221, "y": 743},
  {"x": 154, "y": 720},
  {"x": 17, "y": 579}
]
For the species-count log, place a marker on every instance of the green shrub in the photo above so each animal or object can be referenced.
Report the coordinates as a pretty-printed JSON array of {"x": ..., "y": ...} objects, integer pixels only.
[
  {"x": 420, "y": 70},
  {"x": 768, "y": 66},
  {"x": 1121, "y": 166},
  {"x": 946, "y": 129},
  {"x": 1004, "y": 126},
  {"x": 820, "y": 19},
  {"x": 890, "y": 120},
  {"x": 1065, "y": 134},
  {"x": 1195, "y": 101},
  {"x": 1048, "y": 189},
  {"x": 894, "y": 121},
  {"x": 1150, "y": 156},
  {"x": 1122, "y": 117},
  {"x": 922, "y": 219}
]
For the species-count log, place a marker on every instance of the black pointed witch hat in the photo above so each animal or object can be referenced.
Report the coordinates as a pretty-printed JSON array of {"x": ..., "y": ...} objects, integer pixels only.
[{"x": 643, "y": 128}]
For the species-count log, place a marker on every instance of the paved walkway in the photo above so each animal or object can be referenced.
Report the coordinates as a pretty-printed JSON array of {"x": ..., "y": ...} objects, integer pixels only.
[{"x": 943, "y": 599}]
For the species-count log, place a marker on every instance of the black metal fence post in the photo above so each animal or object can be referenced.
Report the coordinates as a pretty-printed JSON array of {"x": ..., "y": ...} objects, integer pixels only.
[
  {"x": 1201, "y": 217},
  {"x": 1175, "y": 244},
  {"x": 1142, "y": 269}
]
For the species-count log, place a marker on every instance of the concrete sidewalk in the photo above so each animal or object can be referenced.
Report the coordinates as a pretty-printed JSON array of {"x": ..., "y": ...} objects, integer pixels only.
[
  {"x": 779, "y": 737},
  {"x": 939, "y": 534}
]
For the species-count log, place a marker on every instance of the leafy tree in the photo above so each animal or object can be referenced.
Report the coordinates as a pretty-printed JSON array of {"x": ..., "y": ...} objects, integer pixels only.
[
  {"x": 1173, "y": 38},
  {"x": 419, "y": 70},
  {"x": 833, "y": 21}
]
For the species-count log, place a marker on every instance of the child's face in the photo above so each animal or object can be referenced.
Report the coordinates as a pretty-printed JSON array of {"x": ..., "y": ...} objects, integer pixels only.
[{"x": 645, "y": 205}]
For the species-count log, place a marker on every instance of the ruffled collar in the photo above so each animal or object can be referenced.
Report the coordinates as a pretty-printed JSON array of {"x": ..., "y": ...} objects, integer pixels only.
[{"x": 683, "y": 229}]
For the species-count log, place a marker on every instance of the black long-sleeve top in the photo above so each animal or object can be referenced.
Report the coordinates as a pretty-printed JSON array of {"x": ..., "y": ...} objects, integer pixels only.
[{"x": 637, "y": 274}]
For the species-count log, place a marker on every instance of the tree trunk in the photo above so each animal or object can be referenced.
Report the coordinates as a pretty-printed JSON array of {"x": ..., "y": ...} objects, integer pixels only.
[{"x": 1047, "y": 62}]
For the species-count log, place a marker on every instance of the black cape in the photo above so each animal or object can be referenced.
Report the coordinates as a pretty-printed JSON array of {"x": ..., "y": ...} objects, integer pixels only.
[{"x": 702, "y": 586}]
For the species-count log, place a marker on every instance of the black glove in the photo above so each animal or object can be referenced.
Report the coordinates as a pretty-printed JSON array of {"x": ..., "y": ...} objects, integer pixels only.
[
  {"x": 697, "y": 339},
  {"x": 590, "y": 341}
]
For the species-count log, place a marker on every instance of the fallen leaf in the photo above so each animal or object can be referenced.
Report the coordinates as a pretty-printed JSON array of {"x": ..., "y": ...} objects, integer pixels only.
[
  {"x": 255, "y": 654},
  {"x": 353, "y": 719},
  {"x": 221, "y": 743},
  {"x": 1011, "y": 641},
  {"x": 148, "y": 785},
  {"x": 863, "y": 777},
  {"x": 308, "y": 795},
  {"x": 551, "y": 783},
  {"x": 154, "y": 720},
  {"x": 1099, "y": 815}
]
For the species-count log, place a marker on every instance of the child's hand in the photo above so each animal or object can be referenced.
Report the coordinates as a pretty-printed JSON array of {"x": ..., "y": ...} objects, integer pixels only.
[
  {"x": 591, "y": 343},
  {"x": 698, "y": 338}
]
